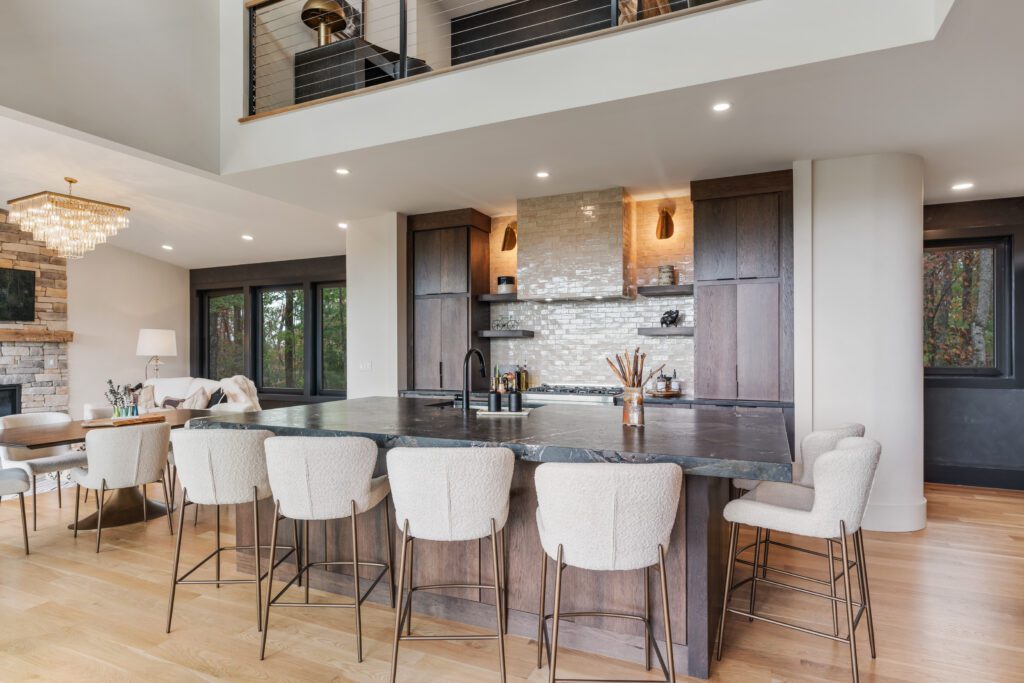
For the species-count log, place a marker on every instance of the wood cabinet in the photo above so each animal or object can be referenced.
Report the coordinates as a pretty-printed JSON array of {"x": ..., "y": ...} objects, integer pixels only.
[
  {"x": 448, "y": 266},
  {"x": 743, "y": 266}
]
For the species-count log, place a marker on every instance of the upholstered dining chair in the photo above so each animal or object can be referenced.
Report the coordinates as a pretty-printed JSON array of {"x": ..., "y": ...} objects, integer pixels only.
[
  {"x": 14, "y": 481},
  {"x": 120, "y": 458},
  {"x": 37, "y": 461}
]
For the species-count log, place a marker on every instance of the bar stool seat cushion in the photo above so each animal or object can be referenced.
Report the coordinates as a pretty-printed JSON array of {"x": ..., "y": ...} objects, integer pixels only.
[
  {"x": 222, "y": 466},
  {"x": 607, "y": 516},
  {"x": 13, "y": 481},
  {"x": 840, "y": 480}
]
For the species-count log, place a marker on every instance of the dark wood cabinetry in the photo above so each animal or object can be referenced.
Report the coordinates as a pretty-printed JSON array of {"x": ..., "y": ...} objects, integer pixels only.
[
  {"x": 449, "y": 266},
  {"x": 743, "y": 265}
]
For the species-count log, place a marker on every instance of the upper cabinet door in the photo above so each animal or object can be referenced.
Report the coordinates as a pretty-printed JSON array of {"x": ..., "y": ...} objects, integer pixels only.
[
  {"x": 714, "y": 239},
  {"x": 757, "y": 235},
  {"x": 441, "y": 261}
]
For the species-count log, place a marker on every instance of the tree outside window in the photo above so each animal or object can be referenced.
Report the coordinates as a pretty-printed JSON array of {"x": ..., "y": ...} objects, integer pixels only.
[
  {"x": 282, "y": 348},
  {"x": 960, "y": 321}
]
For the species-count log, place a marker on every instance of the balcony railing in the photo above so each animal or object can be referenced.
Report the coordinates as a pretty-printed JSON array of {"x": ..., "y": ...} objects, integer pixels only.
[{"x": 303, "y": 51}]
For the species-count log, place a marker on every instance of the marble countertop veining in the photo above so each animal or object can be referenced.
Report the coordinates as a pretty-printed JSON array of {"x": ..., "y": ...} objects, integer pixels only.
[{"x": 707, "y": 443}]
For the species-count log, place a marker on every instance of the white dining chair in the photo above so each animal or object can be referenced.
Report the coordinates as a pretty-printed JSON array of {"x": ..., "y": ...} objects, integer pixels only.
[
  {"x": 120, "y": 458},
  {"x": 37, "y": 461},
  {"x": 14, "y": 481}
]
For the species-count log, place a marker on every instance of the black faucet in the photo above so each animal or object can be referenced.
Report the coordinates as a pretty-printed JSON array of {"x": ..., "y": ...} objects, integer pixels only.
[{"x": 465, "y": 375}]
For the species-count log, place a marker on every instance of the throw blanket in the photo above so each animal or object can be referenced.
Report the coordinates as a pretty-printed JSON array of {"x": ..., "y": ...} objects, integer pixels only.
[{"x": 240, "y": 389}]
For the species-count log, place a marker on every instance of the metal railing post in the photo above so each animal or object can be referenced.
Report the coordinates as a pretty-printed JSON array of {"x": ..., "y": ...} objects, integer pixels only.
[
  {"x": 615, "y": 13},
  {"x": 403, "y": 39}
]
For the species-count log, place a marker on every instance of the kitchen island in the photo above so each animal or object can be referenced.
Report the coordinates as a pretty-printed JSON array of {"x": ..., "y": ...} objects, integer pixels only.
[{"x": 710, "y": 447}]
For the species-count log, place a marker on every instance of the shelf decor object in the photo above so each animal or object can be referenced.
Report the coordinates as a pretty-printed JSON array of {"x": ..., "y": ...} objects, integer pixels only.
[
  {"x": 69, "y": 225},
  {"x": 629, "y": 369}
]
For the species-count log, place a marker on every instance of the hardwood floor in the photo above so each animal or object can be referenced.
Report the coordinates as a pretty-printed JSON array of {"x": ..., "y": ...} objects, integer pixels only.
[{"x": 949, "y": 606}]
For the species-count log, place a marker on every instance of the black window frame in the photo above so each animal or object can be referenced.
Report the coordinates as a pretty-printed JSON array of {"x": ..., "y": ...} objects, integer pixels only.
[
  {"x": 318, "y": 331},
  {"x": 1003, "y": 296}
]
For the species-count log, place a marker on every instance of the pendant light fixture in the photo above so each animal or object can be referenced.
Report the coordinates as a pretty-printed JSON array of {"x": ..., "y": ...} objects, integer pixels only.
[
  {"x": 508, "y": 243},
  {"x": 69, "y": 225}
]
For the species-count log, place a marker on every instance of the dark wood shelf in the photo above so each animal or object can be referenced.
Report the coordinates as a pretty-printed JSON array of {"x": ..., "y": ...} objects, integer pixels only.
[
  {"x": 665, "y": 290},
  {"x": 681, "y": 331},
  {"x": 506, "y": 334},
  {"x": 498, "y": 297}
]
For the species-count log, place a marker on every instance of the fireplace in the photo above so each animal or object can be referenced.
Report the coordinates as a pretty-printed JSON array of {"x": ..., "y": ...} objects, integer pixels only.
[{"x": 10, "y": 399}]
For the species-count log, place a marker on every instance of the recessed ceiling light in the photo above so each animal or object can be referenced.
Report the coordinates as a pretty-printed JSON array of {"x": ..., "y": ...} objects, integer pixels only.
[
  {"x": 722, "y": 106},
  {"x": 341, "y": 171},
  {"x": 166, "y": 247},
  {"x": 343, "y": 226},
  {"x": 248, "y": 238},
  {"x": 963, "y": 186},
  {"x": 549, "y": 300},
  {"x": 543, "y": 174},
  {"x": 598, "y": 298}
]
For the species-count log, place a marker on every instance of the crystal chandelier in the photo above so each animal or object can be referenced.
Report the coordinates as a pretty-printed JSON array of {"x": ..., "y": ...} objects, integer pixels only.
[{"x": 69, "y": 225}]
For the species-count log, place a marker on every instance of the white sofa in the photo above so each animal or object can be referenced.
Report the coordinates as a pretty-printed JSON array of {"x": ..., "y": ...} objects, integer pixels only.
[{"x": 183, "y": 387}]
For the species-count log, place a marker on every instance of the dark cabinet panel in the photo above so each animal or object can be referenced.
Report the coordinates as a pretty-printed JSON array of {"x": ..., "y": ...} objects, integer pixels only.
[
  {"x": 427, "y": 349},
  {"x": 757, "y": 341},
  {"x": 714, "y": 239},
  {"x": 427, "y": 262},
  {"x": 454, "y": 340},
  {"x": 715, "y": 345},
  {"x": 454, "y": 251},
  {"x": 757, "y": 235}
]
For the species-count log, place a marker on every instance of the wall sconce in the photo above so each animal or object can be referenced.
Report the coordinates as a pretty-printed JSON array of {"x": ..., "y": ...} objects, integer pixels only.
[
  {"x": 665, "y": 225},
  {"x": 511, "y": 236}
]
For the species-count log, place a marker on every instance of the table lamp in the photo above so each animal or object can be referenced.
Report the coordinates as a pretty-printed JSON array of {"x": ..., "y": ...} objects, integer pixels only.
[{"x": 156, "y": 343}]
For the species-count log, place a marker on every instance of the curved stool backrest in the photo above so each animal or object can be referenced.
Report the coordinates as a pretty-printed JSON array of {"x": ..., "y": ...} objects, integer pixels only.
[
  {"x": 819, "y": 442},
  {"x": 607, "y": 516},
  {"x": 128, "y": 456},
  {"x": 315, "y": 477},
  {"x": 221, "y": 466},
  {"x": 842, "y": 484},
  {"x": 450, "y": 494}
]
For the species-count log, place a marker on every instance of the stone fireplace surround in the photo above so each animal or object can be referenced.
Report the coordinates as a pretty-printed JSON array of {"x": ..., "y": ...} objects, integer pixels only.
[{"x": 34, "y": 354}]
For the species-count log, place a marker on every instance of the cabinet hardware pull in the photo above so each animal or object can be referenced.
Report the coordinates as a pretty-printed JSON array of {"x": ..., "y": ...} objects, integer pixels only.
[{"x": 440, "y": 374}]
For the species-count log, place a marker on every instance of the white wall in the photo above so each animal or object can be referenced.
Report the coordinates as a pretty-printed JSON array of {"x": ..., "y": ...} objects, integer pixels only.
[
  {"x": 867, "y": 215},
  {"x": 140, "y": 73},
  {"x": 112, "y": 293},
  {"x": 375, "y": 274}
]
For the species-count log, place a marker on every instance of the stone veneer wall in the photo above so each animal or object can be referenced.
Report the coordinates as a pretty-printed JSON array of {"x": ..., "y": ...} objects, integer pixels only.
[
  {"x": 41, "y": 368},
  {"x": 572, "y": 339}
]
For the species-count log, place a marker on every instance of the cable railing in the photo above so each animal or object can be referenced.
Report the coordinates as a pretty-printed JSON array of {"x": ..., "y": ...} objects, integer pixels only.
[{"x": 303, "y": 51}]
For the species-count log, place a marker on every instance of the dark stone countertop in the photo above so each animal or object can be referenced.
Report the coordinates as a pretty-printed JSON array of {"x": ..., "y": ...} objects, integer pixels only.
[{"x": 706, "y": 443}]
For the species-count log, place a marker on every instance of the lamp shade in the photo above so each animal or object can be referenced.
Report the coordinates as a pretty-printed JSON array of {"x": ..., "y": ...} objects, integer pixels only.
[{"x": 156, "y": 343}]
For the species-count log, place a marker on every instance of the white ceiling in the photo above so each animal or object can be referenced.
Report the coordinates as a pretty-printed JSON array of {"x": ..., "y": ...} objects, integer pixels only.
[{"x": 956, "y": 101}]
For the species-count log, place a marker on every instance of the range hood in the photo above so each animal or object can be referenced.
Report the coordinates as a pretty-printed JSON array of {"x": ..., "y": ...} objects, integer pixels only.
[{"x": 576, "y": 247}]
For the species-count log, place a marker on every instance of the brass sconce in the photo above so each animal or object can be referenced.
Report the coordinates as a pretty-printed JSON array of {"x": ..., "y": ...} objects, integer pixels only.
[
  {"x": 508, "y": 243},
  {"x": 326, "y": 17},
  {"x": 665, "y": 225}
]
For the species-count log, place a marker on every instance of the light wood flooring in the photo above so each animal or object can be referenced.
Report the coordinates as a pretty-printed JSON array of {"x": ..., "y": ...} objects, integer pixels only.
[{"x": 949, "y": 606}]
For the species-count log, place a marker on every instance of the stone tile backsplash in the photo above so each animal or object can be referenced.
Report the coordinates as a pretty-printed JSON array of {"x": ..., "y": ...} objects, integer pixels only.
[{"x": 572, "y": 339}]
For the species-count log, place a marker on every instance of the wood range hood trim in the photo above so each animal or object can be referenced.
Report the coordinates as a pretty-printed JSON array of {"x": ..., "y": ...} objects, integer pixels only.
[{"x": 58, "y": 336}]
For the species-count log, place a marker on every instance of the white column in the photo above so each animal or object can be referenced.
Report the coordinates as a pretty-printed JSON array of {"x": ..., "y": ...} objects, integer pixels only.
[
  {"x": 867, "y": 296},
  {"x": 375, "y": 273}
]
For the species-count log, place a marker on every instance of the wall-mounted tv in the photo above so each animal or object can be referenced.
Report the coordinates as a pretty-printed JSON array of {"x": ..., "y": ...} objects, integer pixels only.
[{"x": 17, "y": 295}]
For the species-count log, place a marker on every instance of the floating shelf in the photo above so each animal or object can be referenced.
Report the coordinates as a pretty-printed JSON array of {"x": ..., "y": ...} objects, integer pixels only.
[
  {"x": 681, "y": 331},
  {"x": 498, "y": 297},
  {"x": 506, "y": 334},
  {"x": 665, "y": 290}
]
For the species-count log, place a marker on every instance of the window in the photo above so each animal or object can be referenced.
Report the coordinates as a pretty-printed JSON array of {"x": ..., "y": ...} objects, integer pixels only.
[
  {"x": 332, "y": 318},
  {"x": 282, "y": 339},
  {"x": 965, "y": 296},
  {"x": 224, "y": 330}
]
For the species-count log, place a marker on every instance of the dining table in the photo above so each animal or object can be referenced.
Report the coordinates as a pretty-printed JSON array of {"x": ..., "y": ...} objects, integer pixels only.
[{"x": 125, "y": 506}]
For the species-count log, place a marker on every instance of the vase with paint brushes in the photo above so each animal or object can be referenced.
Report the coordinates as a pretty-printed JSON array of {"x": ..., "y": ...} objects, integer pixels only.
[{"x": 629, "y": 370}]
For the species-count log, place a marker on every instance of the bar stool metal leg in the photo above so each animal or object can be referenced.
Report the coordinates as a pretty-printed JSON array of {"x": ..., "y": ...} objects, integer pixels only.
[
  {"x": 753, "y": 576},
  {"x": 412, "y": 576},
  {"x": 849, "y": 602},
  {"x": 391, "y": 551},
  {"x": 647, "y": 618},
  {"x": 733, "y": 534},
  {"x": 559, "y": 567},
  {"x": 498, "y": 600},
  {"x": 400, "y": 610},
  {"x": 865, "y": 592},
  {"x": 832, "y": 586},
  {"x": 358, "y": 592},
  {"x": 665, "y": 613},
  {"x": 167, "y": 503},
  {"x": 540, "y": 612},
  {"x": 256, "y": 556},
  {"x": 270, "y": 577}
]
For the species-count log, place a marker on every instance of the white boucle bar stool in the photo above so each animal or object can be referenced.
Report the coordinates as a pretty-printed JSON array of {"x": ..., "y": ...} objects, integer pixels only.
[
  {"x": 319, "y": 479},
  {"x": 830, "y": 510},
  {"x": 606, "y": 517},
  {"x": 222, "y": 467},
  {"x": 448, "y": 495}
]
